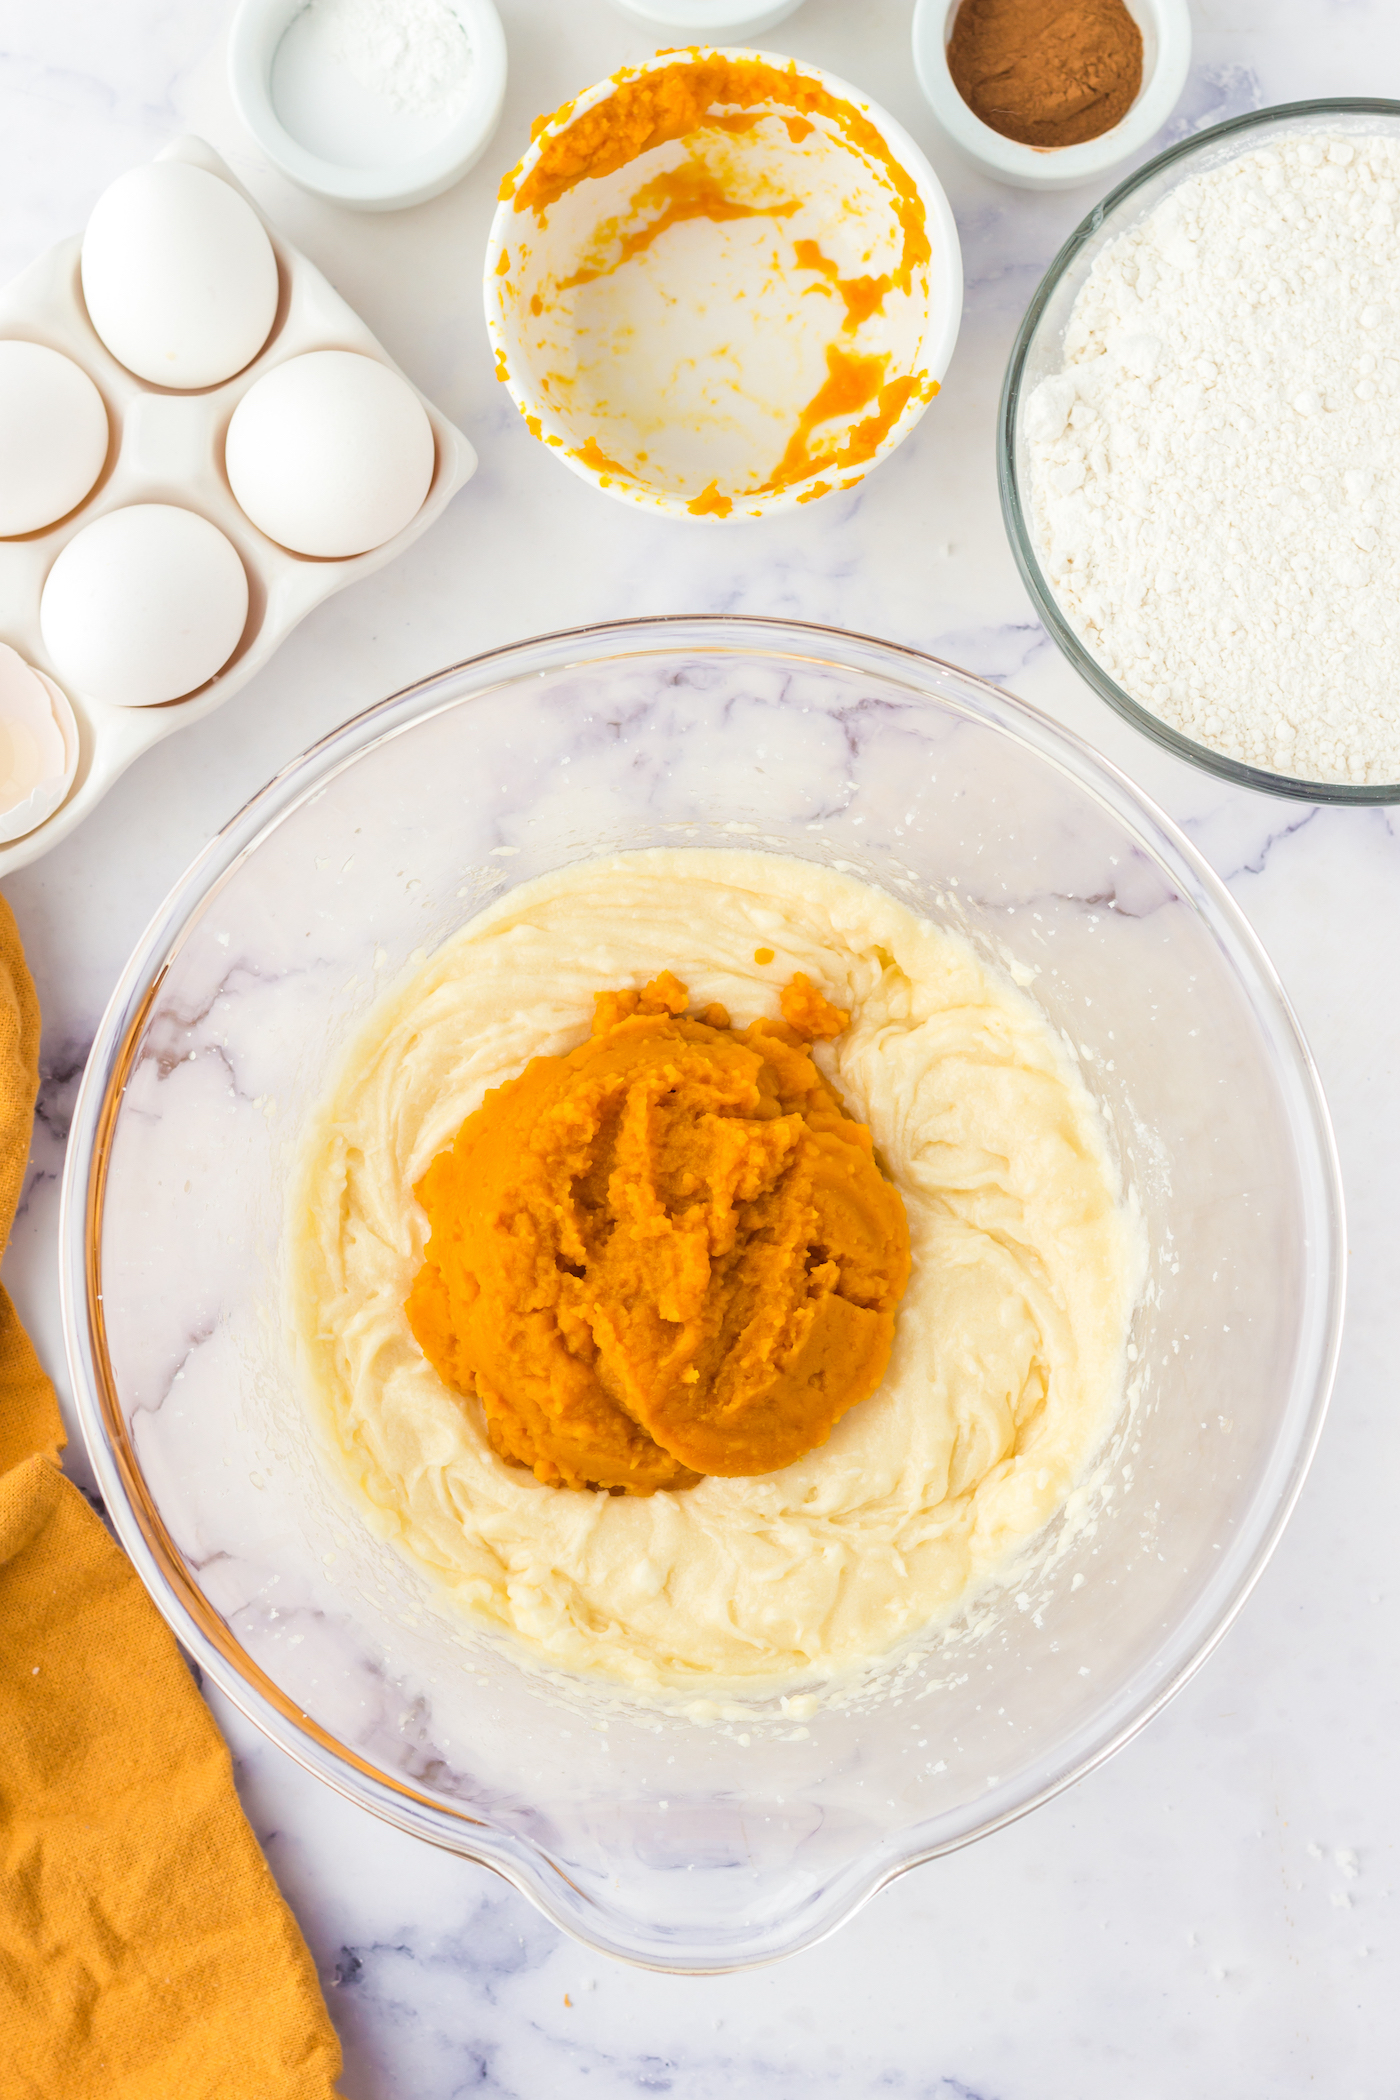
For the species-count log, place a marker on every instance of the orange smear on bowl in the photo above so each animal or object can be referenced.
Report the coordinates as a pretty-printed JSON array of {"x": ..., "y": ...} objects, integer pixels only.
[
  {"x": 851, "y": 384},
  {"x": 591, "y": 453},
  {"x": 687, "y": 192},
  {"x": 710, "y": 503},
  {"x": 862, "y": 296},
  {"x": 668, "y": 102}
]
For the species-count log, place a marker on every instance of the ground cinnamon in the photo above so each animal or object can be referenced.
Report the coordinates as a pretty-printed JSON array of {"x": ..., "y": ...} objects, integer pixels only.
[{"x": 1046, "y": 72}]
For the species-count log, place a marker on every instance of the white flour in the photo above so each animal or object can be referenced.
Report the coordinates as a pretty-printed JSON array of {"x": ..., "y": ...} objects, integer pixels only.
[
  {"x": 1215, "y": 475},
  {"x": 413, "y": 52}
]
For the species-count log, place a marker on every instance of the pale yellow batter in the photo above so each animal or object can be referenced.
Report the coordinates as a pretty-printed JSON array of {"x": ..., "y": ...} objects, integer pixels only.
[{"x": 1009, "y": 1354}]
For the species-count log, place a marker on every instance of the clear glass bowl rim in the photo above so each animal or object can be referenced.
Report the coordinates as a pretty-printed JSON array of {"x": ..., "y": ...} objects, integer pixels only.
[
  {"x": 1008, "y": 482},
  {"x": 129, "y": 1502}
]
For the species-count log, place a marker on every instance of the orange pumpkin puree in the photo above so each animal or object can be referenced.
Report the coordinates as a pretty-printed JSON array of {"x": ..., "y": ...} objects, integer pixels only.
[
  {"x": 687, "y": 192},
  {"x": 671, "y": 101},
  {"x": 593, "y": 455},
  {"x": 669, "y": 1253},
  {"x": 711, "y": 502},
  {"x": 650, "y": 109}
]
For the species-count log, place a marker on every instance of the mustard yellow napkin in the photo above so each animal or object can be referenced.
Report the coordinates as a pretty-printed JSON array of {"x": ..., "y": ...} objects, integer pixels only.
[{"x": 145, "y": 1952}]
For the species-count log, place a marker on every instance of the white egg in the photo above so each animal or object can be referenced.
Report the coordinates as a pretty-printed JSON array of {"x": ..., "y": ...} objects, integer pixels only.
[
  {"x": 179, "y": 275},
  {"x": 330, "y": 453},
  {"x": 144, "y": 605},
  {"x": 53, "y": 436},
  {"x": 38, "y": 746}
]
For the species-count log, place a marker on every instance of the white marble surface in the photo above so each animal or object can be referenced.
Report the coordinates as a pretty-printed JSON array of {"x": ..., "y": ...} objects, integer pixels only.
[{"x": 1213, "y": 1911}]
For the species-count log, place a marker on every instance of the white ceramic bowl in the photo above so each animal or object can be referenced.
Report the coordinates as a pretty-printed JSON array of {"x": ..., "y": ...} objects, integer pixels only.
[
  {"x": 1166, "y": 60},
  {"x": 711, "y": 17},
  {"x": 256, "y": 33},
  {"x": 679, "y": 383}
]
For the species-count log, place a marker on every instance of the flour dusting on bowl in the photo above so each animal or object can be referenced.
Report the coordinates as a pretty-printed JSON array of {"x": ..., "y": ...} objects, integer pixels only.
[{"x": 1212, "y": 460}]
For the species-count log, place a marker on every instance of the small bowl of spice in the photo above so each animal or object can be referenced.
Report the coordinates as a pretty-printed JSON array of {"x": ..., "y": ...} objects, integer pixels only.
[
  {"x": 1047, "y": 94},
  {"x": 720, "y": 284}
]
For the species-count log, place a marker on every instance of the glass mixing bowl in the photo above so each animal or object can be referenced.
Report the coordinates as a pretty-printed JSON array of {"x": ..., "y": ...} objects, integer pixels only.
[
  {"x": 1038, "y": 352},
  {"x": 677, "y": 1843}
]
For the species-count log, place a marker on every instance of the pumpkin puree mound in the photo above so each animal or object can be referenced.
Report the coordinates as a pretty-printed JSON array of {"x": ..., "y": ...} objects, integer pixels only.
[{"x": 667, "y": 1254}]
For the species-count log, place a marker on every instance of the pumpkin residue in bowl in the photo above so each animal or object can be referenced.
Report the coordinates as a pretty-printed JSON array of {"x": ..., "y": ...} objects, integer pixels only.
[
  {"x": 852, "y": 383},
  {"x": 655, "y": 107},
  {"x": 668, "y": 1253},
  {"x": 761, "y": 143}
]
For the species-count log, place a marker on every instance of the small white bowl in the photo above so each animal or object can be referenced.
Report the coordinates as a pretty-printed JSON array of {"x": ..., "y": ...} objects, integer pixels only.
[
  {"x": 711, "y": 18},
  {"x": 1166, "y": 60},
  {"x": 255, "y": 37},
  {"x": 709, "y": 370}
]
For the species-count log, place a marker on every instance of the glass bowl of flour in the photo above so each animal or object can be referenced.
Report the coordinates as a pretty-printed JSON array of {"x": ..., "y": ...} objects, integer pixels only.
[
  {"x": 730, "y": 1824},
  {"x": 1199, "y": 450}
]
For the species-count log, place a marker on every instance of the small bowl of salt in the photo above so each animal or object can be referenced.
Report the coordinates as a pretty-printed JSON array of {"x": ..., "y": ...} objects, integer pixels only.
[{"x": 375, "y": 104}]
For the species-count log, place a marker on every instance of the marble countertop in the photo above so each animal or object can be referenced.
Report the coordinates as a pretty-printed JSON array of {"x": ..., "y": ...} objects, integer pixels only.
[{"x": 1214, "y": 1911}]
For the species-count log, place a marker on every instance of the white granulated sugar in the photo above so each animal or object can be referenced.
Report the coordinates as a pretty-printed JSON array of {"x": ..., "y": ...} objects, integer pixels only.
[
  {"x": 413, "y": 52},
  {"x": 1215, "y": 474}
]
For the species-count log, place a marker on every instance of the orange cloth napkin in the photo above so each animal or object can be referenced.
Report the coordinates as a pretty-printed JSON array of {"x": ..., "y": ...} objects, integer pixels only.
[{"x": 145, "y": 1952}]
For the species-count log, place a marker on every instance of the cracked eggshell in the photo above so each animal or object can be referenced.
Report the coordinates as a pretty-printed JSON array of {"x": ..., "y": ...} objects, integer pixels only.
[
  {"x": 179, "y": 275},
  {"x": 38, "y": 746},
  {"x": 53, "y": 436},
  {"x": 330, "y": 454},
  {"x": 144, "y": 605}
]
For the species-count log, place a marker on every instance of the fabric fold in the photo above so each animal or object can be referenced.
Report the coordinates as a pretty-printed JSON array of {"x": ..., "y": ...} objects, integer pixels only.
[{"x": 146, "y": 1952}]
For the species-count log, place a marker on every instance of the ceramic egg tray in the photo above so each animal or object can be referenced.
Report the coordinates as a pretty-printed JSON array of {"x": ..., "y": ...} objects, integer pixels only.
[{"x": 167, "y": 447}]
